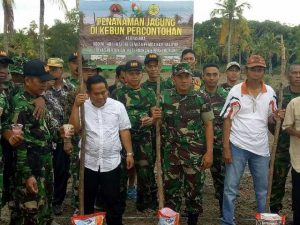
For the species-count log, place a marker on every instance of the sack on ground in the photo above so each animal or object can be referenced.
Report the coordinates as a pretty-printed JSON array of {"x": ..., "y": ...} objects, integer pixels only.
[
  {"x": 168, "y": 217},
  {"x": 269, "y": 219},
  {"x": 91, "y": 219}
]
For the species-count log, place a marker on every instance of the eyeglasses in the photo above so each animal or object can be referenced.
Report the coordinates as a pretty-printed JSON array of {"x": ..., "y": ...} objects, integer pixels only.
[{"x": 256, "y": 69}]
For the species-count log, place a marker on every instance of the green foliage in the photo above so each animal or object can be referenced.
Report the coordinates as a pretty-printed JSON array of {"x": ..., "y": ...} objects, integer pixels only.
[{"x": 61, "y": 40}]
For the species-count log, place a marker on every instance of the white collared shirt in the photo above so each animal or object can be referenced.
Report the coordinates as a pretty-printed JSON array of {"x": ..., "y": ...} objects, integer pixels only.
[
  {"x": 102, "y": 124},
  {"x": 249, "y": 115}
]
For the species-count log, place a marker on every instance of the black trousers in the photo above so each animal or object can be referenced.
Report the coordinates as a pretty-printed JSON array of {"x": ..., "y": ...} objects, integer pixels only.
[
  {"x": 296, "y": 196},
  {"x": 110, "y": 187},
  {"x": 61, "y": 167}
]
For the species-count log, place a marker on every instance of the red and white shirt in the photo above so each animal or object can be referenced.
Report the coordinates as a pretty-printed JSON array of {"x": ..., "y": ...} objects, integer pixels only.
[{"x": 249, "y": 115}]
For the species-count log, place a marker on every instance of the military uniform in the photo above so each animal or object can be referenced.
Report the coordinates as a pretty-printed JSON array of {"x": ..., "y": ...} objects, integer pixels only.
[
  {"x": 226, "y": 86},
  {"x": 183, "y": 145},
  {"x": 33, "y": 158},
  {"x": 282, "y": 159},
  {"x": 3, "y": 106},
  {"x": 164, "y": 84},
  {"x": 138, "y": 103},
  {"x": 217, "y": 170}
]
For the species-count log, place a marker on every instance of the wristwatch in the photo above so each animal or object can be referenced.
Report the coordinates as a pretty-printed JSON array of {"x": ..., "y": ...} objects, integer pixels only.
[{"x": 129, "y": 154}]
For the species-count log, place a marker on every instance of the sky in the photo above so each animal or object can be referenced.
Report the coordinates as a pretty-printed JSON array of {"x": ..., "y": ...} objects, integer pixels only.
[{"x": 285, "y": 12}]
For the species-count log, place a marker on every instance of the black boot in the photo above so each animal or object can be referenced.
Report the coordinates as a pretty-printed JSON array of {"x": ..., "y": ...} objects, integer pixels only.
[{"x": 192, "y": 218}]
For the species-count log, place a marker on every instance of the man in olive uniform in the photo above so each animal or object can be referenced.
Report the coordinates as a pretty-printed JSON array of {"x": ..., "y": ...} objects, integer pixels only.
[
  {"x": 282, "y": 158},
  {"x": 138, "y": 102},
  {"x": 217, "y": 94},
  {"x": 152, "y": 64},
  {"x": 34, "y": 176},
  {"x": 119, "y": 79},
  {"x": 4, "y": 62},
  {"x": 187, "y": 148}
]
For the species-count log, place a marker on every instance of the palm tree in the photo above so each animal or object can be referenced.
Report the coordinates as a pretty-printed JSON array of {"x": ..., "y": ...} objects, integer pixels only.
[
  {"x": 230, "y": 10},
  {"x": 8, "y": 20},
  {"x": 61, "y": 4},
  {"x": 268, "y": 47},
  {"x": 200, "y": 48}
]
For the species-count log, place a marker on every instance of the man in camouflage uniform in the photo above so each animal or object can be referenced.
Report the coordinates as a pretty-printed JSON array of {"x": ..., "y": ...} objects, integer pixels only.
[
  {"x": 152, "y": 64},
  {"x": 233, "y": 73},
  {"x": 4, "y": 62},
  {"x": 189, "y": 56},
  {"x": 138, "y": 102},
  {"x": 34, "y": 177},
  {"x": 282, "y": 158},
  {"x": 217, "y": 94},
  {"x": 57, "y": 101},
  {"x": 187, "y": 148}
]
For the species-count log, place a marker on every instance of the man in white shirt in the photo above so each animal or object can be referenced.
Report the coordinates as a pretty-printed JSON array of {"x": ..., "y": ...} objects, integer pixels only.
[
  {"x": 245, "y": 139},
  {"x": 291, "y": 125},
  {"x": 106, "y": 121}
]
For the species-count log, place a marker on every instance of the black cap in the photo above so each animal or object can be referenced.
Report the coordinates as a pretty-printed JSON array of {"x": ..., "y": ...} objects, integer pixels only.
[
  {"x": 36, "y": 68},
  {"x": 151, "y": 57},
  {"x": 133, "y": 65},
  {"x": 4, "y": 58},
  {"x": 74, "y": 56}
]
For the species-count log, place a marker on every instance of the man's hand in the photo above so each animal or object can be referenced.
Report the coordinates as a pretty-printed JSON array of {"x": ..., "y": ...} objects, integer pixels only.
[
  {"x": 31, "y": 185},
  {"x": 129, "y": 161},
  {"x": 227, "y": 154},
  {"x": 146, "y": 121},
  {"x": 39, "y": 107},
  {"x": 80, "y": 99},
  {"x": 156, "y": 112},
  {"x": 207, "y": 160},
  {"x": 279, "y": 114},
  {"x": 16, "y": 139}
]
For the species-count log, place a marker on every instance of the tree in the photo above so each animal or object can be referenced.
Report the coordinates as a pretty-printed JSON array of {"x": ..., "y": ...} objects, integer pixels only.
[
  {"x": 61, "y": 4},
  {"x": 8, "y": 21},
  {"x": 269, "y": 47},
  {"x": 200, "y": 49},
  {"x": 230, "y": 10},
  {"x": 62, "y": 40}
]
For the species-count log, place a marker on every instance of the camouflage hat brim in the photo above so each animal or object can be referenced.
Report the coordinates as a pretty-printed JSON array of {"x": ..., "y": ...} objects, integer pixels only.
[{"x": 183, "y": 71}]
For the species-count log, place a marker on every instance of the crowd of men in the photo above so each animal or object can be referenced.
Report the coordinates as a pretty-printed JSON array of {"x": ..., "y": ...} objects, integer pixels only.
[{"x": 204, "y": 125}]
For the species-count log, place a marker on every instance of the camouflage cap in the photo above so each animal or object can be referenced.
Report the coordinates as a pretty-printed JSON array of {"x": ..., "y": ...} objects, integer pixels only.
[
  {"x": 151, "y": 57},
  {"x": 55, "y": 62},
  {"x": 231, "y": 64},
  {"x": 133, "y": 65},
  {"x": 256, "y": 60},
  {"x": 17, "y": 66},
  {"x": 181, "y": 68}
]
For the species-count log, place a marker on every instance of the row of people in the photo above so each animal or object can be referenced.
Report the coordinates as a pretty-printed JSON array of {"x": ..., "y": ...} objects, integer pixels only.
[{"x": 182, "y": 131}]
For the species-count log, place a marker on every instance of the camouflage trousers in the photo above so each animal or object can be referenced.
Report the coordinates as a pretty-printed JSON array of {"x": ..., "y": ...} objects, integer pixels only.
[
  {"x": 74, "y": 171},
  {"x": 183, "y": 179},
  {"x": 34, "y": 209},
  {"x": 281, "y": 169},
  {"x": 218, "y": 173},
  {"x": 144, "y": 156}
]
